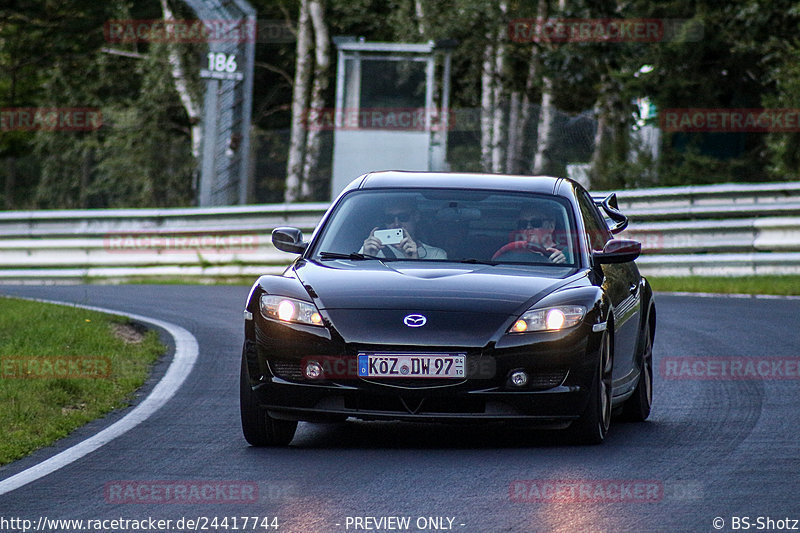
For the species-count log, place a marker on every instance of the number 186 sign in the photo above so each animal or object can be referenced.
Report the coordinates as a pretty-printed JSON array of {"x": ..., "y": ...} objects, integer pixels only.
[{"x": 222, "y": 67}]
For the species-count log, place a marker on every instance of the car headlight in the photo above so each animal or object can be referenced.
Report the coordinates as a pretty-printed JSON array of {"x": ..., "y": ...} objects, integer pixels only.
[
  {"x": 549, "y": 319},
  {"x": 290, "y": 310}
]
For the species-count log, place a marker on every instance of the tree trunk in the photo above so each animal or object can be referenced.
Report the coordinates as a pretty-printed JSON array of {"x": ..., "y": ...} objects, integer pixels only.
[
  {"x": 302, "y": 78},
  {"x": 499, "y": 118},
  {"x": 322, "y": 64},
  {"x": 487, "y": 105},
  {"x": 611, "y": 137},
  {"x": 514, "y": 135},
  {"x": 541, "y": 161},
  {"x": 419, "y": 12},
  {"x": 532, "y": 81},
  {"x": 498, "y": 113},
  {"x": 493, "y": 117},
  {"x": 179, "y": 79}
]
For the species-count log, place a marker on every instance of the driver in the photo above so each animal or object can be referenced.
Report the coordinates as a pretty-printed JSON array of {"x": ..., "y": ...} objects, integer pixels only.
[
  {"x": 537, "y": 227},
  {"x": 402, "y": 214}
]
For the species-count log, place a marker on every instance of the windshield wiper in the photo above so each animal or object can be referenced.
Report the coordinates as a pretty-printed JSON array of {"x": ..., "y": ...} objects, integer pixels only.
[
  {"x": 354, "y": 256},
  {"x": 473, "y": 261}
]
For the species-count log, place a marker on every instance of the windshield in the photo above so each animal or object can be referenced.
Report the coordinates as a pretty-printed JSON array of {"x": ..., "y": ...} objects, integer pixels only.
[{"x": 449, "y": 225}]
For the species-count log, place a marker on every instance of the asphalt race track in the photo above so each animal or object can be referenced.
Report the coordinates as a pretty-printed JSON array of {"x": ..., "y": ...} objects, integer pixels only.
[{"x": 715, "y": 450}]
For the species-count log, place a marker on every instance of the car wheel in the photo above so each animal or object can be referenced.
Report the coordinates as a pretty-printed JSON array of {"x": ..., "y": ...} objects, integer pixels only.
[
  {"x": 637, "y": 407},
  {"x": 592, "y": 426},
  {"x": 258, "y": 427}
]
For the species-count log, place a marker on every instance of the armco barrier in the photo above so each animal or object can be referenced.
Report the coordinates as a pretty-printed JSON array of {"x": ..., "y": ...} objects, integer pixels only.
[
  {"x": 729, "y": 229},
  {"x": 116, "y": 244}
]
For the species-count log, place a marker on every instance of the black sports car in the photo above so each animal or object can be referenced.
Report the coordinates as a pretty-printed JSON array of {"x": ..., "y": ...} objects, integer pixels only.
[{"x": 452, "y": 297}]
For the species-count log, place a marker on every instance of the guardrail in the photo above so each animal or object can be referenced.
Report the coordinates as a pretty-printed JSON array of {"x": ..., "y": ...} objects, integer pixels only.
[
  {"x": 118, "y": 244},
  {"x": 708, "y": 230}
]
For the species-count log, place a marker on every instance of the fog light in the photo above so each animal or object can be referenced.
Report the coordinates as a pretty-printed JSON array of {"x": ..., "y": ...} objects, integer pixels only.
[
  {"x": 313, "y": 370},
  {"x": 519, "y": 378}
]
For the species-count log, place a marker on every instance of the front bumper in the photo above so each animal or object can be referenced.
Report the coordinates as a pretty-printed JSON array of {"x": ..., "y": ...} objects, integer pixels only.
[
  {"x": 319, "y": 403},
  {"x": 561, "y": 366}
]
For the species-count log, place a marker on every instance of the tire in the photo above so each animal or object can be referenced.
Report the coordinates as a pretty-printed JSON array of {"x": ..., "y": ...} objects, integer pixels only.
[
  {"x": 592, "y": 427},
  {"x": 258, "y": 427},
  {"x": 637, "y": 407}
]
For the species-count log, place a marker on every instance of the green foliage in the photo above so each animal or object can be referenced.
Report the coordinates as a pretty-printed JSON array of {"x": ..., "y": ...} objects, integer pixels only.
[
  {"x": 145, "y": 159},
  {"x": 746, "y": 56},
  {"x": 784, "y": 148},
  {"x": 141, "y": 156}
]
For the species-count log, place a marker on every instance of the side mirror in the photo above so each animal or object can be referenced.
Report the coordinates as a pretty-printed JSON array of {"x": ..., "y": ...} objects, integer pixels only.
[
  {"x": 289, "y": 240},
  {"x": 618, "y": 251}
]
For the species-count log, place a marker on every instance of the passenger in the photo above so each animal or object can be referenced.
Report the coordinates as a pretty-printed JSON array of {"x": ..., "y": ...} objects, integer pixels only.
[{"x": 401, "y": 215}]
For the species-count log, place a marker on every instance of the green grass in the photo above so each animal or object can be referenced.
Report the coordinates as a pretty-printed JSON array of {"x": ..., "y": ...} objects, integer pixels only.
[
  {"x": 166, "y": 280},
  {"x": 780, "y": 285},
  {"x": 39, "y": 403}
]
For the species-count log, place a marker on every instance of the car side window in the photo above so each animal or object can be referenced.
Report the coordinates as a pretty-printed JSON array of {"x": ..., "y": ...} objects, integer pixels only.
[{"x": 596, "y": 229}]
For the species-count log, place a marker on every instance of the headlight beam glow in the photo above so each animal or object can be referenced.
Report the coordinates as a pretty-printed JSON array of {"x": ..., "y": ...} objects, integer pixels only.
[
  {"x": 290, "y": 310},
  {"x": 554, "y": 318}
]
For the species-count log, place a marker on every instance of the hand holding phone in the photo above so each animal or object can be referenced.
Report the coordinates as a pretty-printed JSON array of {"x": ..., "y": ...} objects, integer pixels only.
[{"x": 389, "y": 236}]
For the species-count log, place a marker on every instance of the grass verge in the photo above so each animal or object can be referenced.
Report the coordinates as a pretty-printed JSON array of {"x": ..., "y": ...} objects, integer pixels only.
[
  {"x": 780, "y": 285},
  {"x": 185, "y": 280},
  {"x": 61, "y": 367}
]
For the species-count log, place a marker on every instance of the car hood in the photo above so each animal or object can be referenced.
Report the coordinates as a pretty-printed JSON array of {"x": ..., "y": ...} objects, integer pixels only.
[
  {"x": 367, "y": 302},
  {"x": 415, "y": 286}
]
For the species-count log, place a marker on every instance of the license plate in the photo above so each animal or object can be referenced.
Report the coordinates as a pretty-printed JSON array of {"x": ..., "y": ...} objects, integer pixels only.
[{"x": 381, "y": 365}]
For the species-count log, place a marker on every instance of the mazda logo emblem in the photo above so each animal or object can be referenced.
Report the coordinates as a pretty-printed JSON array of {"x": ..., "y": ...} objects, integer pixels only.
[{"x": 415, "y": 321}]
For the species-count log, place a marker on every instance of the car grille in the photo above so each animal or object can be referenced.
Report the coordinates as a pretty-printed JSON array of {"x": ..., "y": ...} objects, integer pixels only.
[
  {"x": 547, "y": 380},
  {"x": 287, "y": 369}
]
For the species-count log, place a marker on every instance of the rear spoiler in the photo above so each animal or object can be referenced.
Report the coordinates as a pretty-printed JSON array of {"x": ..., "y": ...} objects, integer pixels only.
[{"x": 611, "y": 207}]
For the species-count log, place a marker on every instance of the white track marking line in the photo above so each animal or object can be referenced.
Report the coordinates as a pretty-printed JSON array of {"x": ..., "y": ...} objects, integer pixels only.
[{"x": 186, "y": 352}]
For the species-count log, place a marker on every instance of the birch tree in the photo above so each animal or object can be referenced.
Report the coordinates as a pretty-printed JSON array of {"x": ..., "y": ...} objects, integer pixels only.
[
  {"x": 322, "y": 56},
  {"x": 190, "y": 104},
  {"x": 419, "y": 12},
  {"x": 499, "y": 122},
  {"x": 517, "y": 160},
  {"x": 493, "y": 118},
  {"x": 300, "y": 101},
  {"x": 547, "y": 113},
  {"x": 542, "y": 162},
  {"x": 487, "y": 105}
]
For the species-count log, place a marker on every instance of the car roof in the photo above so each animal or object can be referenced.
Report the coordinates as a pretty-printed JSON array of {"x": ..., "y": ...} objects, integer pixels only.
[{"x": 457, "y": 180}]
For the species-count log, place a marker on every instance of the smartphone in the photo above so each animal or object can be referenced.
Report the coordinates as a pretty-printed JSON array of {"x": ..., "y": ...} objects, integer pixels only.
[{"x": 389, "y": 236}]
